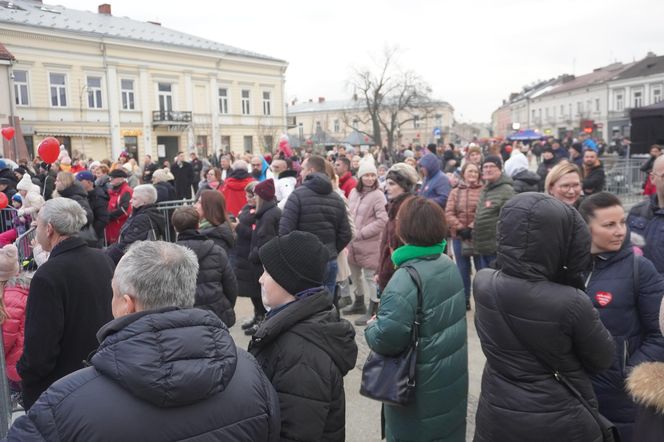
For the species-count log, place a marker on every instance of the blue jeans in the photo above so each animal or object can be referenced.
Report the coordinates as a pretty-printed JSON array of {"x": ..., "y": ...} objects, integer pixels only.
[
  {"x": 463, "y": 263},
  {"x": 330, "y": 280},
  {"x": 485, "y": 261}
]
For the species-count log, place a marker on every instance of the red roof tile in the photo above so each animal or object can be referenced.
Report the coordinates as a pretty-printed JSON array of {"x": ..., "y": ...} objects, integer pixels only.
[{"x": 5, "y": 54}]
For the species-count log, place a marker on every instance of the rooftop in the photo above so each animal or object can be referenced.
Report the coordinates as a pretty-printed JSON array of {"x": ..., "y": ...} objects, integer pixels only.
[
  {"x": 5, "y": 54},
  {"x": 102, "y": 24},
  {"x": 650, "y": 65},
  {"x": 597, "y": 76}
]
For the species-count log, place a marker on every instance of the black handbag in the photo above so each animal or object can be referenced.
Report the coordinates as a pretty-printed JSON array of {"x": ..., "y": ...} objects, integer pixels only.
[
  {"x": 609, "y": 431},
  {"x": 391, "y": 379}
]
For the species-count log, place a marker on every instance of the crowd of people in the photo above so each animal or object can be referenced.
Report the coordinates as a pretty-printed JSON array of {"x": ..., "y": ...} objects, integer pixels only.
[{"x": 131, "y": 302}]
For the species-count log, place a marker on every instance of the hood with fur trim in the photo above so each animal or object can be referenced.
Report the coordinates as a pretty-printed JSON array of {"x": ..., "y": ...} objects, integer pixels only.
[{"x": 645, "y": 385}]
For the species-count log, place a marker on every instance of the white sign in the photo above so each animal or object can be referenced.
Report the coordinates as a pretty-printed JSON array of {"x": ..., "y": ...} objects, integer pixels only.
[{"x": 161, "y": 150}]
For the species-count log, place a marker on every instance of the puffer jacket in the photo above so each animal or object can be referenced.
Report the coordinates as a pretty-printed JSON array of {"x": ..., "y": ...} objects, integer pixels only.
[
  {"x": 77, "y": 193},
  {"x": 32, "y": 201},
  {"x": 265, "y": 228},
  {"x": 436, "y": 185},
  {"x": 222, "y": 235},
  {"x": 143, "y": 220},
  {"x": 98, "y": 200},
  {"x": 233, "y": 190},
  {"x": 389, "y": 241},
  {"x": 461, "y": 206},
  {"x": 492, "y": 199},
  {"x": 119, "y": 209},
  {"x": 543, "y": 252},
  {"x": 216, "y": 287},
  {"x": 369, "y": 216},
  {"x": 441, "y": 395},
  {"x": 593, "y": 179},
  {"x": 165, "y": 191},
  {"x": 647, "y": 219},
  {"x": 315, "y": 208},
  {"x": 306, "y": 350},
  {"x": 247, "y": 273},
  {"x": 525, "y": 181},
  {"x": 645, "y": 385},
  {"x": 158, "y": 375},
  {"x": 13, "y": 329},
  {"x": 628, "y": 306}
]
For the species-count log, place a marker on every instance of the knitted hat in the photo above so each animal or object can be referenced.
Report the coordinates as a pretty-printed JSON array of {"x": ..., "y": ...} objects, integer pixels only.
[
  {"x": 265, "y": 190},
  {"x": 85, "y": 175},
  {"x": 474, "y": 149},
  {"x": 495, "y": 160},
  {"x": 296, "y": 261},
  {"x": 66, "y": 160},
  {"x": 118, "y": 173},
  {"x": 25, "y": 183},
  {"x": 8, "y": 262},
  {"x": 577, "y": 147},
  {"x": 3, "y": 164},
  {"x": 161, "y": 175},
  {"x": 367, "y": 165},
  {"x": 404, "y": 175},
  {"x": 17, "y": 197}
]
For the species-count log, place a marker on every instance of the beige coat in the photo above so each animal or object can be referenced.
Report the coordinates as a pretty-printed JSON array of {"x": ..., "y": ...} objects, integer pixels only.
[{"x": 370, "y": 216}]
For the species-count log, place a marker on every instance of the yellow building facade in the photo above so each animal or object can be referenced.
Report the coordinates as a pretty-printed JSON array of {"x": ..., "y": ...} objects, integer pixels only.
[{"x": 104, "y": 84}]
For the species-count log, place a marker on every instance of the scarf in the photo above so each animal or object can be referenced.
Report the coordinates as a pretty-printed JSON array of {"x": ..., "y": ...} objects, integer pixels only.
[{"x": 408, "y": 252}]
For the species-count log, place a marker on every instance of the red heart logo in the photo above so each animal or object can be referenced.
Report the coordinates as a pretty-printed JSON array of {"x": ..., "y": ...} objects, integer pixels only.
[{"x": 603, "y": 298}]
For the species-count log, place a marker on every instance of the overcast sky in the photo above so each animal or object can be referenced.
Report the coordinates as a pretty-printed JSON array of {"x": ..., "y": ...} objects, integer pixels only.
[{"x": 473, "y": 53}]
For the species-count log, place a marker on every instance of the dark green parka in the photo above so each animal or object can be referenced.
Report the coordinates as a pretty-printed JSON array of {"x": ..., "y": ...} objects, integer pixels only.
[{"x": 492, "y": 199}]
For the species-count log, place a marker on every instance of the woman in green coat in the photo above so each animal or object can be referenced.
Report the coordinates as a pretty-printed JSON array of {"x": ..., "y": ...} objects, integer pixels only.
[{"x": 438, "y": 411}]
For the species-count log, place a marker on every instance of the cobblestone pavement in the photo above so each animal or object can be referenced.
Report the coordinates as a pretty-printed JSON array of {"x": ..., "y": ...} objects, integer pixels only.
[{"x": 362, "y": 414}]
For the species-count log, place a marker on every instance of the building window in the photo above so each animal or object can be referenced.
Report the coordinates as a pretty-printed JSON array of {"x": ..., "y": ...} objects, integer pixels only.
[
  {"x": 127, "y": 92},
  {"x": 546, "y": 113},
  {"x": 268, "y": 143},
  {"x": 579, "y": 107},
  {"x": 267, "y": 105},
  {"x": 226, "y": 143},
  {"x": 569, "y": 110},
  {"x": 656, "y": 94},
  {"x": 94, "y": 92},
  {"x": 416, "y": 122},
  {"x": 21, "y": 88},
  {"x": 246, "y": 109},
  {"x": 202, "y": 145},
  {"x": 596, "y": 104},
  {"x": 337, "y": 126},
  {"x": 539, "y": 115},
  {"x": 439, "y": 120},
  {"x": 534, "y": 112},
  {"x": 223, "y": 100},
  {"x": 355, "y": 123},
  {"x": 165, "y": 91},
  {"x": 638, "y": 99},
  {"x": 58, "y": 89},
  {"x": 620, "y": 102},
  {"x": 131, "y": 145},
  {"x": 562, "y": 110},
  {"x": 248, "y": 143}
]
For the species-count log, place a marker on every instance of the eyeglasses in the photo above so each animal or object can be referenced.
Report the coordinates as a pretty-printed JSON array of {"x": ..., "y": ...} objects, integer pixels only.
[{"x": 568, "y": 187}]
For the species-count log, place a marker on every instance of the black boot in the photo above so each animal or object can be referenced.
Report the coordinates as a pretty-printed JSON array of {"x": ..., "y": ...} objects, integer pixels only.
[
  {"x": 358, "y": 307},
  {"x": 373, "y": 309}
]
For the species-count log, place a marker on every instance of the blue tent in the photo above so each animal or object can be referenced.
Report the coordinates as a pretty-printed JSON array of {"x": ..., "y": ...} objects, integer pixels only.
[{"x": 525, "y": 135}]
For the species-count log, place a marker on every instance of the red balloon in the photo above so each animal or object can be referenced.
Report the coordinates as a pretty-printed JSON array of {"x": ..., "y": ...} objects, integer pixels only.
[
  {"x": 8, "y": 132},
  {"x": 49, "y": 150},
  {"x": 3, "y": 200}
]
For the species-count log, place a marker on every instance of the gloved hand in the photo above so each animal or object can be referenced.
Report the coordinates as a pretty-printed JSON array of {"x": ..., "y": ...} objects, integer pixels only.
[{"x": 466, "y": 233}]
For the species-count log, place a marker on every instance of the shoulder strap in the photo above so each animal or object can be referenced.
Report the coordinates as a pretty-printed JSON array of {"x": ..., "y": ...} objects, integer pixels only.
[
  {"x": 636, "y": 279},
  {"x": 415, "y": 334}
]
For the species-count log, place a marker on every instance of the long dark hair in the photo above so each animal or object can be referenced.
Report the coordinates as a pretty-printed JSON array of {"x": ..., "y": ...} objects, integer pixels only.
[
  {"x": 360, "y": 185},
  {"x": 213, "y": 204}
]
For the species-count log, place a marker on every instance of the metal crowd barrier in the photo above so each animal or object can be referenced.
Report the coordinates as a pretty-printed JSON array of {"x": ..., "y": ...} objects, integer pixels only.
[
  {"x": 24, "y": 244},
  {"x": 625, "y": 179},
  {"x": 7, "y": 218},
  {"x": 166, "y": 208}
]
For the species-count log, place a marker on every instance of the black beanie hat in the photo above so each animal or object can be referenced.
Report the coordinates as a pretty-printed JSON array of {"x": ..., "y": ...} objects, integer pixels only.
[
  {"x": 296, "y": 261},
  {"x": 495, "y": 160}
]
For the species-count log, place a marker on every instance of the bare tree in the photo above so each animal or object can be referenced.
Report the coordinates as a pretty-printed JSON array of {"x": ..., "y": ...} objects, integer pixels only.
[{"x": 386, "y": 98}]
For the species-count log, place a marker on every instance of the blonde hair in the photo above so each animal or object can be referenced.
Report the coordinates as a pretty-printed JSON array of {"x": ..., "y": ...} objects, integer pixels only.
[
  {"x": 66, "y": 178},
  {"x": 558, "y": 171}
]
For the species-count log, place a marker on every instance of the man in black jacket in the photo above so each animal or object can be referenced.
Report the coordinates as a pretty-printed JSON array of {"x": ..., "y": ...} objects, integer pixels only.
[
  {"x": 69, "y": 300},
  {"x": 593, "y": 173},
  {"x": 98, "y": 200},
  {"x": 184, "y": 176},
  {"x": 314, "y": 207},
  {"x": 303, "y": 347},
  {"x": 163, "y": 370}
]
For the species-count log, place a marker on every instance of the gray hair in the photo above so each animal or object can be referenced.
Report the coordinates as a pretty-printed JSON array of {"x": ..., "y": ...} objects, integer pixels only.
[
  {"x": 146, "y": 193},
  {"x": 158, "y": 274},
  {"x": 65, "y": 215},
  {"x": 240, "y": 164}
]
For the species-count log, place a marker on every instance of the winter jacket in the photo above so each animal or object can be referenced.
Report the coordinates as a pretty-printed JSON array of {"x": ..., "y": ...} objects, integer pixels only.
[
  {"x": 436, "y": 185},
  {"x": 461, "y": 206},
  {"x": 647, "y": 219},
  {"x": 247, "y": 273},
  {"x": 119, "y": 209},
  {"x": 233, "y": 190},
  {"x": 148, "y": 170},
  {"x": 265, "y": 228},
  {"x": 542, "y": 253},
  {"x": 13, "y": 329},
  {"x": 645, "y": 385},
  {"x": 306, "y": 350},
  {"x": 77, "y": 193},
  {"x": 369, "y": 216},
  {"x": 222, "y": 235},
  {"x": 184, "y": 177},
  {"x": 165, "y": 191},
  {"x": 216, "y": 287},
  {"x": 158, "y": 375},
  {"x": 543, "y": 170},
  {"x": 32, "y": 201},
  {"x": 70, "y": 299},
  {"x": 347, "y": 183},
  {"x": 628, "y": 306},
  {"x": 315, "y": 208},
  {"x": 98, "y": 200},
  {"x": 439, "y": 409},
  {"x": 492, "y": 199},
  {"x": 144, "y": 221},
  {"x": 389, "y": 241},
  {"x": 593, "y": 179},
  {"x": 284, "y": 186},
  {"x": 525, "y": 181}
]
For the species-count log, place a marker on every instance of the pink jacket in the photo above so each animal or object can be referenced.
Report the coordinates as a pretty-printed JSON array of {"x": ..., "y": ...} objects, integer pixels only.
[
  {"x": 368, "y": 211},
  {"x": 13, "y": 328}
]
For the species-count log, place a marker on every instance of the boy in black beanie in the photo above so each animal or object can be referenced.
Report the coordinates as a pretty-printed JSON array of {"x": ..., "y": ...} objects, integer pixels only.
[{"x": 303, "y": 347}]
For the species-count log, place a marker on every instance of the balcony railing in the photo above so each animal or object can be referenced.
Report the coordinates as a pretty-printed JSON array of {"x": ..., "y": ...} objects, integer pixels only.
[{"x": 171, "y": 117}]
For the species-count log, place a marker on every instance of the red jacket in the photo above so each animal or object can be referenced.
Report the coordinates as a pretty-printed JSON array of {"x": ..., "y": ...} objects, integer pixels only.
[
  {"x": 119, "y": 210},
  {"x": 347, "y": 183},
  {"x": 233, "y": 192},
  {"x": 13, "y": 328}
]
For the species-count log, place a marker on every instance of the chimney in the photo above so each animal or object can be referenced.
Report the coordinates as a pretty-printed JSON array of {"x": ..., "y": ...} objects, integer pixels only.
[
  {"x": 156, "y": 23},
  {"x": 321, "y": 99},
  {"x": 104, "y": 8}
]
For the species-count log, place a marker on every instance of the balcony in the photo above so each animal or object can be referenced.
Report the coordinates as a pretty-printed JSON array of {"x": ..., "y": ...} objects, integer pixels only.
[{"x": 171, "y": 118}]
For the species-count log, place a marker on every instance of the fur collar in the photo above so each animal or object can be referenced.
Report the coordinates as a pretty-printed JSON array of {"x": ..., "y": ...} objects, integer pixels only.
[{"x": 646, "y": 385}]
